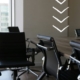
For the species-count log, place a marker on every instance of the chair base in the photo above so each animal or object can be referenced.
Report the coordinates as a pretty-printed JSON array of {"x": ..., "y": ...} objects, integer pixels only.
[
  {"x": 28, "y": 70},
  {"x": 14, "y": 74},
  {"x": 41, "y": 76},
  {"x": 33, "y": 72}
]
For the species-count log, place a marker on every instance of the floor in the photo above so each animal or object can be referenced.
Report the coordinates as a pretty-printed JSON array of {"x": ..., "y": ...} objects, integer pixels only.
[{"x": 7, "y": 75}]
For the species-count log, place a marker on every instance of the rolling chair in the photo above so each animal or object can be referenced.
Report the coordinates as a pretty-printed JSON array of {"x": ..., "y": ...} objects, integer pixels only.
[
  {"x": 77, "y": 32},
  {"x": 29, "y": 51},
  {"x": 52, "y": 63},
  {"x": 44, "y": 40},
  {"x": 13, "y": 52},
  {"x": 76, "y": 50}
]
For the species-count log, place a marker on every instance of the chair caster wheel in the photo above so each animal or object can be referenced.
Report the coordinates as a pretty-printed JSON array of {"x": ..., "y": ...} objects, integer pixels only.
[
  {"x": 0, "y": 74},
  {"x": 18, "y": 78}
]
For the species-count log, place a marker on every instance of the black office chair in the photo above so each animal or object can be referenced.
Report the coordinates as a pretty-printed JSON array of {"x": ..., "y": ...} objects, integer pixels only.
[
  {"x": 14, "y": 29},
  {"x": 52, "y": 64},
  {"x": 77, "y": 32},
  {"x": 48, "y": 41},
  {"x": 13, "y": 52},
  {"x": 29, "y": 51},
  {"x": 76, "y": 51}
]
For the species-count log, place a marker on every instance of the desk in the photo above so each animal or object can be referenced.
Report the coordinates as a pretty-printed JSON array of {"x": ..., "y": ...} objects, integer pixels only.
[{"x": 64, "y": 46}]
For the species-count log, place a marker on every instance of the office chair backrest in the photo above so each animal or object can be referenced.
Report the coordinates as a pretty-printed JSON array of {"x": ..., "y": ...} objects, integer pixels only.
[
  {"x": 13, "y": 29},
  {"x": 12, "y": 46},
  {"x": 77, "y": 32},
  {"x": 43, "y": 37},
  {"x": 76, "y": 48},
  {"x": 51, "y": 59}
]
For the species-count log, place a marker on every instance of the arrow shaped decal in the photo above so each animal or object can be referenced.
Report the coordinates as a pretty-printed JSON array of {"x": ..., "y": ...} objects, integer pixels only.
[
  {"x": 59, "y": 10},
  {"x": 59, "y": 29},
  {"x": 61, "y": 21},
  {"x": 61, "y": 2}
]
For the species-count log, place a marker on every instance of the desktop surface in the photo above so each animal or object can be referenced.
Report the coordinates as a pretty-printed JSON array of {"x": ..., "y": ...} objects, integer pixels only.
[{"x": 63, "y": 45}]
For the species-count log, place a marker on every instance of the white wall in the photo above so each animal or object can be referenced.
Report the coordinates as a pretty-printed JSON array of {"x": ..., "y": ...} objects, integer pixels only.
[{"x": 38, "y": 18}]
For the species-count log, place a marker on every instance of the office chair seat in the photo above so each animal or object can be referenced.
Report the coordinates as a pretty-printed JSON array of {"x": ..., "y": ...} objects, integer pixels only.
[
  {"x": 68, "y": 74},
  {"x": 15, "y": 63}
]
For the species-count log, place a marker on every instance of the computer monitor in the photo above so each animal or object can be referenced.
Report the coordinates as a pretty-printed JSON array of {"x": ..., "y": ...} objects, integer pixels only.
[
  {"x": 13, "y": 29},
  {"x": 77, "y": 32}
]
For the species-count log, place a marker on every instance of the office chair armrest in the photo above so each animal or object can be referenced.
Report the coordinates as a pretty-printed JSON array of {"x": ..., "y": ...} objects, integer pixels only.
[
  {"x": 75, "y": 60},
  {"x": 33, "y": 42},
  {"x": 43, "y": 37},
  {"x": 45, "y": 48}
]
